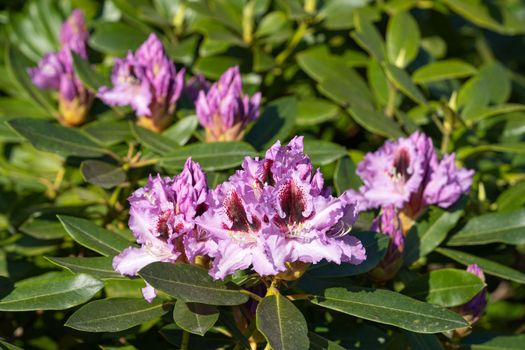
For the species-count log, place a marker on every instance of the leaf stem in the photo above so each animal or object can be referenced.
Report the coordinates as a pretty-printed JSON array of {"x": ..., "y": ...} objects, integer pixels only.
[
  {"x": 247, "y": 22},
  {"x": 185, "y": 340},
  {"x": 391, "y": 103},
  {"x": 292, "y": 44}
]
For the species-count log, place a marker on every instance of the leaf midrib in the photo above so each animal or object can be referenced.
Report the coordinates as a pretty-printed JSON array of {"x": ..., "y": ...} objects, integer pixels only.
[
  {"x": 4, "y": 302},
  {"x": 192, "y": 285},
  {"x": 117, "y": 316},
  {"x": 91, "y": 237}
]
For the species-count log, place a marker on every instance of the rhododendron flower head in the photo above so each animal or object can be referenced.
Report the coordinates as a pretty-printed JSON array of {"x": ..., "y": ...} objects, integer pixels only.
[
  {"x": 148, "y": 82},
  {"x": 407, "y": 174},
  {"x": 275, "y": 214},
  {"x": 162, "y": 217},
  {"x": 55, "y": 72},
  {"x": 224, "y": 110}
]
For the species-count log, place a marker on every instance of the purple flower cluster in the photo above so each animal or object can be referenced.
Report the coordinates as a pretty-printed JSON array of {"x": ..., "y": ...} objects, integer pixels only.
[
  {"x": 273, "y": 216},
  {"x": 408, "y": 175},
  {"x": 148, "y": 82},
  {"x": 55, "y": 71},
  {"x": 223, "y": 110}
]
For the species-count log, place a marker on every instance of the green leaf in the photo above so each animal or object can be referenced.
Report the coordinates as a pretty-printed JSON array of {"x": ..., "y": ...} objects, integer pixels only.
[
  {"x": 512, "y": 198},
  {"x": 282, "y": 324},
  {"x": 114, "y": 315},
  {"x": 275, "y": 123},
  {"x": 181, "y": 131},
  {"x": 323, "y": 152},
  {"x": 100, "y": 267},
  {"x": 367, "y": 36},
  {"x": 488, "y": 266},
  {"x": 429, "y": 232},
  {"x": 502, "y": 342},
  {"x": 6, "y": 346},
  {"x": 314, "y": 111},
  {"x": 271, "y": 23},
  {"x": 17, "y": 64},
  {"x": 375, "y": 122},
  {"x": 55, "y": 292},
  {"x": 109, "y": 132},
  {"x": 43, "y": 229},
  {"x": 104, "y": 174},
  {"x": 190, "y": 283},
  {"x": 443, "y": 70},
  {"x": 320, "y": 343},
  {"x": 445, "y": 287},
  {"x": 465, "y": 152},
  {"x": 94, "y": 237},
  {"x": 116, "y": 38},
  {"x": 345, "y": 176},
  {"x": 402, "y": 81},
  {"x": 391, "y": 308},
  {"x": 375, "y": 244},
  {"x": 402, "y": 39},
  {"x": 493, "y": 111},
  {"x": 211, "y": 156},
  {"x": 506, "y": 228},
  {"x": 194, "y": 317},
  {"x": 87, "y": 75},
  {"x": 378, "y": 82},
  {"x": 157, "y": 142},
  {"x": 54, "y": 138}
]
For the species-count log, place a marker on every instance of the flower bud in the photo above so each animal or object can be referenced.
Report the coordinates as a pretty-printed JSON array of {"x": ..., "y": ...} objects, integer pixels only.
[
  {"x": 55, "y": 72},
  {"x": 148, "y": 82},
  {"x": 224, "y": 111}
]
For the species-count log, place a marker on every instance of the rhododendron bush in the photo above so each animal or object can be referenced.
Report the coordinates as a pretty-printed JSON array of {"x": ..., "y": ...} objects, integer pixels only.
[{"x": 256, "y": 174}]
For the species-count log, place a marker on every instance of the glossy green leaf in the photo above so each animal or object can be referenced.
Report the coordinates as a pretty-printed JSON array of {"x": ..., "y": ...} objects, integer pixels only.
[
  {"x": 391, "y": 308},
  {"x": 55, "y": 138},
  {"x": 315, "y": 111},
  {"x": 100, "y": 267},
  {"x": 190, "y": 283},
  {"x": 43, "y": 229},
  {"x": 101, "y": 173},
  {"x": 109, "y": 132},
  {"x": 6, "y": 346},
  {"x": 402, "y": 81},
  {"x": 211, "y": 156},
  {"x": 429, "y": 232},
  {"x": 442, "y": 70},
  {"x": 345, "y": 176},
  {"x": 55, "y": 292},
  {"x": 512, "y": 198},
  {"x": 518, "y": 148},
  {"x": 114, "y": 315},
  {"x": 94, "y": 237},
  {"x": 158, "y": 143},
  {"x": 378, "y": 82},
  {"x": 402, "y": 39},
  {"x": 323, "y": 152},
  {"x": 116, "y": 38},
  {"x": 506, "y": 228},
  {"x": 488, "y": 266},
  {"x": 445, "y": 287},
  {"x": 423, "y": 341},
  {"x": 87, "y": 75},
  {"x": 181, "y": 131},
  {"x": 282, "y": 324},
  {"x": 194, "y": 317},
  {"x": 492, "y": 111},
  {"x": 375, "y": 244},
  {"x": 275, "y": 123},
  {"x": 213, "y": 67},
  {"x": 368, "y": 37},
  {"x": 376, "y": 122}
]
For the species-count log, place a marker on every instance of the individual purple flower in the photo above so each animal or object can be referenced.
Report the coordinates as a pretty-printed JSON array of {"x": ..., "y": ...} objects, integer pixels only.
[
  {"x": 55, "y": 72},
  {"x": 148, "y": 81},
  {"x": 407, "y": 174},
  {"x": 275, "y": 216},
  {"x": 474, "y": 308},
  {"x": 224, "y": 111},
  {"x": 162, "y": 217},
  {"x": 389, "y": 223}
]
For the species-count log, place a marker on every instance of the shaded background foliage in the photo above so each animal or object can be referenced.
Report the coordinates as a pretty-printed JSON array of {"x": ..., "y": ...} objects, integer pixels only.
[{"x": 345, "y": 74}]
